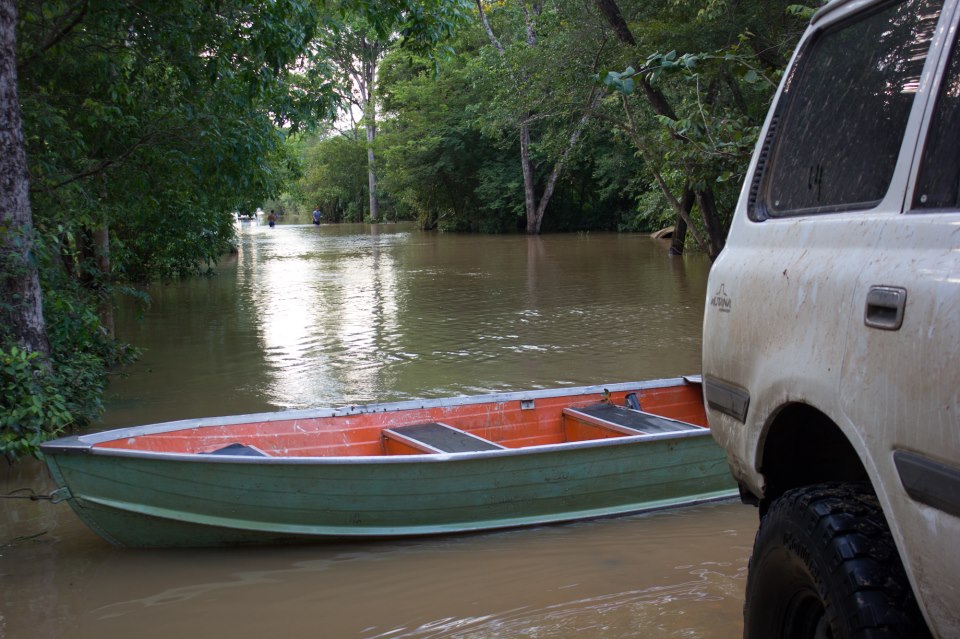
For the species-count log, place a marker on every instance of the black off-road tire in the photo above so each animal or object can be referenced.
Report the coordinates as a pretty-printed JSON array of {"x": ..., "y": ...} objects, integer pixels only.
[{"x": 824, "y": 566}]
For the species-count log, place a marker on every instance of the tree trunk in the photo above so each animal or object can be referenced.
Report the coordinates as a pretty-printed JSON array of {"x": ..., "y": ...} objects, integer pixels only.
[
  {"x": 67, "y": 258},
  {"x": 561, "y": 163},
  {"x": 86, "y": 256},
  {"x": 101, "y": 240},
  {"x": 370, "y": 117},
  {"x": 679, "y": 239},
  {"x": 658, "y": 101},
  {"x": 529, "y": 185},
  {"x": 21, "y": 302},
  {"x": 621, "y": 29},
  {"x": 711, "y": 218},
  {"x": 371, "y": 174}
]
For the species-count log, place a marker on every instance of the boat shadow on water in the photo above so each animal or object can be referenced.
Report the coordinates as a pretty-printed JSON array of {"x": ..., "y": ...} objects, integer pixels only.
[{"x": 612, "y": 578}]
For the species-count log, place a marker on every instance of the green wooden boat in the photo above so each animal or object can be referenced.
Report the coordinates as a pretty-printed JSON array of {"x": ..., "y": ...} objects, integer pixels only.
[{"x": 395, "y": 469}]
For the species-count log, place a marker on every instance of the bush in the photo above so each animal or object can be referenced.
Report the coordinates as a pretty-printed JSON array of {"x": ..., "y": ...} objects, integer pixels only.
[
  {"x": 33, "y": 405},
  {"x": 40, "y": 397}
]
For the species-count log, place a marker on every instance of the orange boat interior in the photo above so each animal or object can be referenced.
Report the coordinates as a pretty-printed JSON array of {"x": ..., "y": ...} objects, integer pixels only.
[{"x": 510, "y": 424}]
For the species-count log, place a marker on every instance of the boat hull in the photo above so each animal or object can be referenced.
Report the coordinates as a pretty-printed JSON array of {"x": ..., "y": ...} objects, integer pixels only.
[{"x": 154, "y": 502}]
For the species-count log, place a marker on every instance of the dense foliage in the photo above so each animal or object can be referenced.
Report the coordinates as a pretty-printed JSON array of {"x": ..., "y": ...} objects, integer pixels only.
[
  {"x": 42, "y": 395},
  {"x": 667, "y": 116},
  {"x": 333, "y": 178}
]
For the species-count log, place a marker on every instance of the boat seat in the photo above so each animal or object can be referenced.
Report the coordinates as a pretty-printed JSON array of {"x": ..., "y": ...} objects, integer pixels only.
[
  {"x": 435, "y": 437},
  {"x": 238, "y": 449},
  {"x": 627, "y": 420}
]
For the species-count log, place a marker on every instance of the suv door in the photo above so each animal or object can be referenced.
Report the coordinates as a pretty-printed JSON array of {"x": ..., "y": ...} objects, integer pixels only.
[{"x": 899, "y": 383}]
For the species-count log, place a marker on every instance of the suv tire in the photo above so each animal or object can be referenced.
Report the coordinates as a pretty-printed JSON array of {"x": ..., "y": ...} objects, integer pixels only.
[{"x": 824, "y": 565}]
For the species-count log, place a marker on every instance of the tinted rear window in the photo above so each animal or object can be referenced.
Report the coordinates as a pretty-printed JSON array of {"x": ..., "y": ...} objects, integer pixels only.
[
  {"x": 939, "y": 184},
  {"x": 844, "y": 111}
]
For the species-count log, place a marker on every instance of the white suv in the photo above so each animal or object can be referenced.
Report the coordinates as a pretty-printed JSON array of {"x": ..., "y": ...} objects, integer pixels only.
[{"x": 831, "y": 353}]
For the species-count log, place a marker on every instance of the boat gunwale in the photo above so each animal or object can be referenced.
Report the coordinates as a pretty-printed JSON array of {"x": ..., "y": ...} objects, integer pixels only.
[
  {"x": 695, "y": 431},
  {"x": 86, "y": 444}
]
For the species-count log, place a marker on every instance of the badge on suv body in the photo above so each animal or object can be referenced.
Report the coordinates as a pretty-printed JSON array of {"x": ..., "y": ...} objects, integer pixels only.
[{"x": 721, "y": 301}]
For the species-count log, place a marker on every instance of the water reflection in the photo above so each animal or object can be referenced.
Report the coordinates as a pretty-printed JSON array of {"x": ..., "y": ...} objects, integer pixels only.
[
  {"x": 307, "y": 316},
  {"x": 325, "y": 307}
]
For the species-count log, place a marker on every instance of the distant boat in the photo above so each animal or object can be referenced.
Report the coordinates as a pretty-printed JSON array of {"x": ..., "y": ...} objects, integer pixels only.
[{"x": 410, "y": 468}]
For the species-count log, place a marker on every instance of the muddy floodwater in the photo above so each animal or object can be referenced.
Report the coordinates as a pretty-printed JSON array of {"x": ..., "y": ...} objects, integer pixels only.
[{"x": 308, "y": 316}]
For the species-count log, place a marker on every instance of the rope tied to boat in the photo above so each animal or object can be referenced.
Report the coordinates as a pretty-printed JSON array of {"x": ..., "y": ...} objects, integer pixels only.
[{"x": 54, "y": 496}]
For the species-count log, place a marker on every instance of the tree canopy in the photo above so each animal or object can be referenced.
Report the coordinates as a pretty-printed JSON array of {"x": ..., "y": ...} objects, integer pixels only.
[{"x": 563, "y": 115}]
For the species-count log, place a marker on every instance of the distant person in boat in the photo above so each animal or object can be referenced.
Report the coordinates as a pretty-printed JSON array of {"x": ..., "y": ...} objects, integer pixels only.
[
  {"x": 316, "y": 216},
  {"x": 272, "y": 219}
]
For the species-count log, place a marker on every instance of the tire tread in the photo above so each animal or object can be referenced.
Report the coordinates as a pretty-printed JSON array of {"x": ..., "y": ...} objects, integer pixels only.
[{"x": 856, "y": 570}]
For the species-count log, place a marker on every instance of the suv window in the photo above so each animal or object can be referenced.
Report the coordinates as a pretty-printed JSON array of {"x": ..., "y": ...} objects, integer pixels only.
[
  {"x": 844, "y": 111},
  {"x": 939, "y": 181}
]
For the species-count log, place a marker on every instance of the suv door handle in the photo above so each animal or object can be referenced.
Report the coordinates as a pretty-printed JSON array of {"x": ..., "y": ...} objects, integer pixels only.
[{"x": 885, "y": 306}]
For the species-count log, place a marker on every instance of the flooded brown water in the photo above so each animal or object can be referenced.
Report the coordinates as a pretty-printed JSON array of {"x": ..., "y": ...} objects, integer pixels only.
[{"x": 305, "y": 316}]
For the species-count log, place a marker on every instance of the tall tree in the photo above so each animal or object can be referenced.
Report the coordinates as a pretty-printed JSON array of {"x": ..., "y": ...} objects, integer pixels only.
[
  {"x": 21, "y": 309},
  {"x": 354, "y": 50},
  {"x": 535, "y": 205}
]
